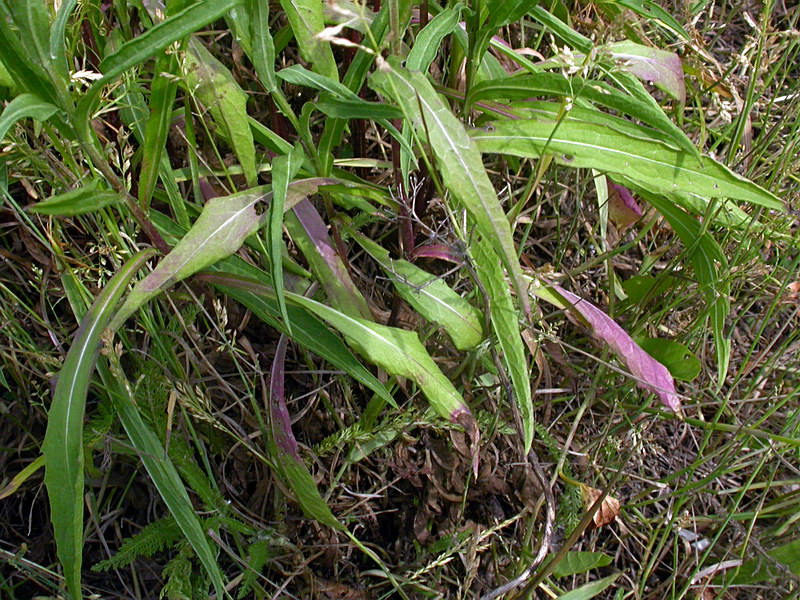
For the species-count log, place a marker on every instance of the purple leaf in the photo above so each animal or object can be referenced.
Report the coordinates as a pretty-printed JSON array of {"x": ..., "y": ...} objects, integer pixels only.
[
  {"x": 278, "y": 412},
  {"x": 313, "y": 240},
  {"x": 439, "y": 251},
  {"x": 622, "y": 208},
  {"x": 649, "y": 373},
  {"x": 661, "y": 68}
]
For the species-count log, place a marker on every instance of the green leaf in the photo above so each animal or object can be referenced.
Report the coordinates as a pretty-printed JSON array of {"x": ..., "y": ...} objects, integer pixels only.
[
  {"x": 161, "y": 470},
  {"x": 705, "y": 254},
  {"x": 458, "y": 159},
  {"x": 33, "y": 19},
  {"x": 681, "y": 362},
  {"x": 268, "y": 138},
  {"x": 650, "y": 164},
  {"x": 21, "y": 477},
  {"x": 430, "y": 296},
  {"x": 399, "y": 353},
  {"x": 651, "y": 11},
  {"x": 580, "y": 562},
  {"x": 22, "y": 107},
  {"x": 429, "y": 40},
  {"x": 527, "y": 86},
  {"x": 63, "y": 441},
  {"x": 299, "y": 75},
  {"x": 214, "y": 85},
  {"x": 219, "y": 231},
  {"x": 506, "y": 326},
  {"x": 239, "y": 280},
  {"x": 590, "y": 590},
  {"x": 27, "y": 74},
  {"x": 58, "y": 31},
  {"x": 284, "y": 168},
  {"x": 310, "y": 233},
  {"x": 154, "y": 40},
  {"x": 262, "y": 52},
  {"x": 761, "y": 569},
  {"x": 85, "y": 199},
  {"x": 162, "y": 98},
  {"x": 306, "y": 20},
  {"x": 356, "y": 109}
]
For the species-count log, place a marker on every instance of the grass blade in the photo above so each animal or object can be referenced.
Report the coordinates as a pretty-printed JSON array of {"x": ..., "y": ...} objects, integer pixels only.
[
  {"x": 63, "y": 442},
  {"x": 284, "y": 168},
  {"x": 160, "y": 468},
  {"x": 652, "y": 165}
]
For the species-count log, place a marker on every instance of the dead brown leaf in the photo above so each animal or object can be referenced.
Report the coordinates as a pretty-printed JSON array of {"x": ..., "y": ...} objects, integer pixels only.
[{"x": 609, "y": 507}]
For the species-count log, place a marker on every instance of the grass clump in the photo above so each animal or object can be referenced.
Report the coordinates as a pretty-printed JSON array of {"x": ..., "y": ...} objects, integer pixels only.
[{"x": 399, "y": 300}]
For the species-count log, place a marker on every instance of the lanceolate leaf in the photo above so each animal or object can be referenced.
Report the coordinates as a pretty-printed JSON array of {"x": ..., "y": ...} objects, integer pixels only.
[
  {"x": 652, "y": 165},
  {"x": 291, "y": 467},
  {"x": 214, "y": 85},
  {"x": 79, "y": 201},
  {"x": 429, "y": 40},
  {"x": 506, "y": 325},
  {"x": 310, "y": 233},
  {"x": 262, "y": 51},
  {"x": 22, "y": 107},
  {"x": 590, "y": 590},
  {"x": 162, "y": 35},
  {"x": 457, "y": 158},
  {"x": 557, "y": 84},
  {"x": 430, "y": 296},
  {"x": 710, "y": 266},
  {"x": 399, "y": 353},
  {"x": 220, "y": 231},
  {"x": 63, "y": 442},
  {"x": 659, "y": 67},
  {"x": 307, "y": 331},
  {"x": 162, "y": 98},
  {"x": 649, "y": 373},
  {"x": 306, "y": 20},
  {"x": 284, "y": 168}
]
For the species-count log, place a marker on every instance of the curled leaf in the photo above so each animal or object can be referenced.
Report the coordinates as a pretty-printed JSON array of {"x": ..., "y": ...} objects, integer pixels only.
[
  {"x": 623, "y": 210},
  {"x": 608, "y": 510}
]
